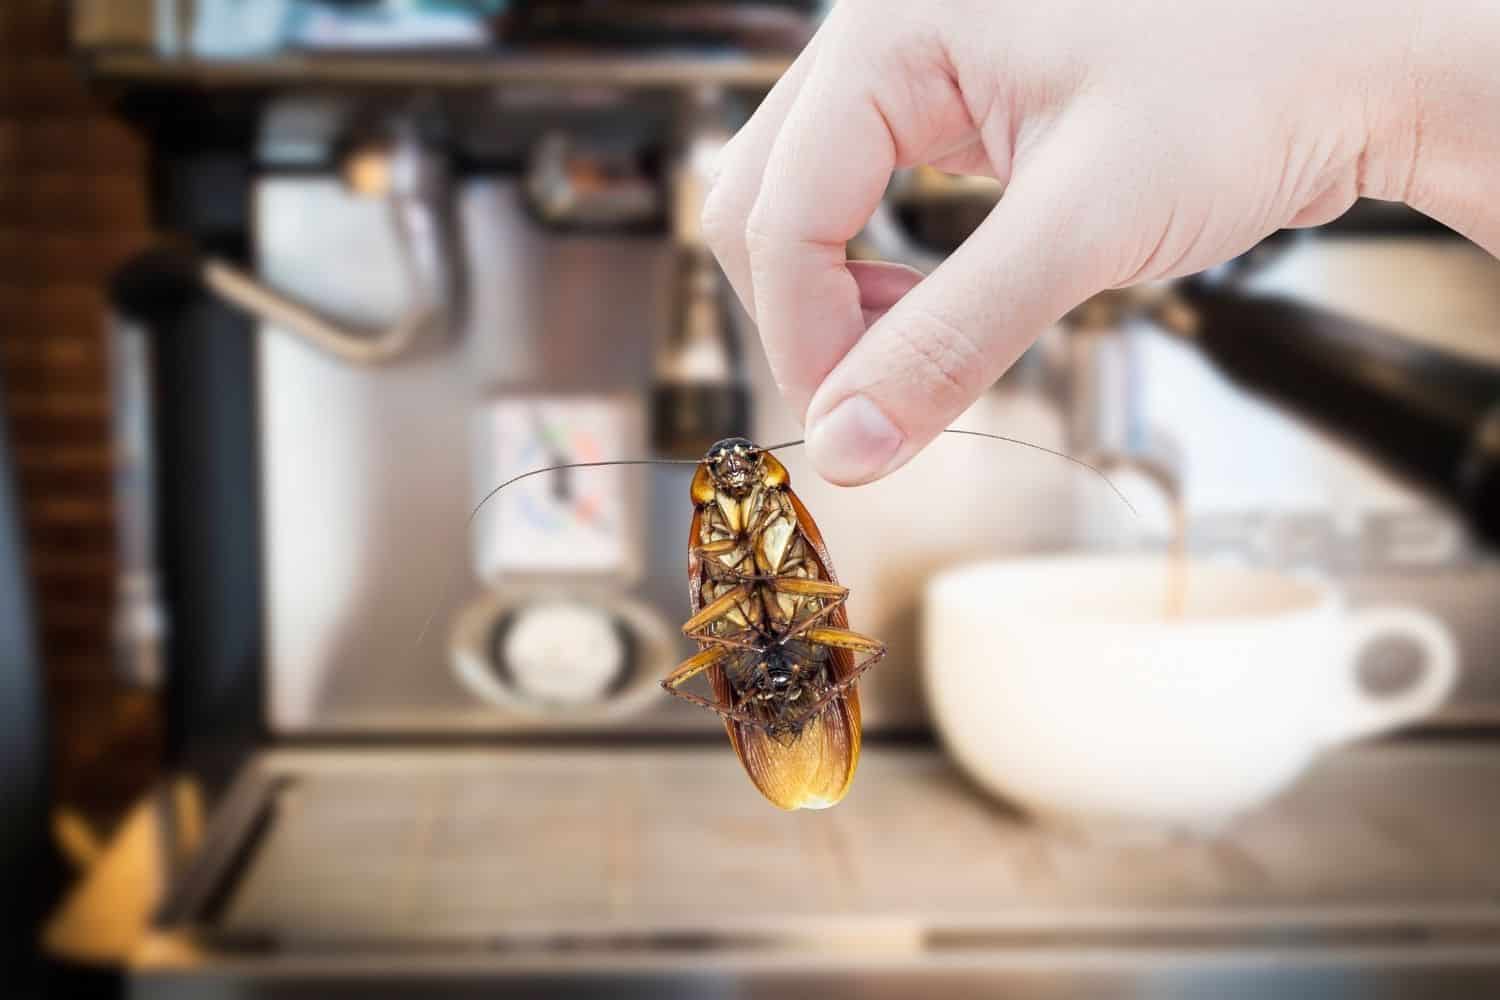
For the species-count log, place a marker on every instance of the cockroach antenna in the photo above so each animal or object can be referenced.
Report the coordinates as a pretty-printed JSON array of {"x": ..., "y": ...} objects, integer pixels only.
[
  {"x": 1060, "y": 454},
  {"x": 442, "y": 596},
  {"x": 1008, "y": 440},
  {"x": 469, "y": 522}
]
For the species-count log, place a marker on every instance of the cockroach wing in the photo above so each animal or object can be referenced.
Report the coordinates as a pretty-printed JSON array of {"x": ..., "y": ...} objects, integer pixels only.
[{"x": 816, "y": 769}]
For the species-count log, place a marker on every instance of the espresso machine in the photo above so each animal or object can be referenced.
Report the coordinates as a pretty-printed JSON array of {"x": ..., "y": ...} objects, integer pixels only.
[{"x": 424, "y": 746}]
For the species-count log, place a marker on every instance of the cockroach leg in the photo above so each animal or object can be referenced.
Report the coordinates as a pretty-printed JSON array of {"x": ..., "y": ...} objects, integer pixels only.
[
  {"x": 807, "y": 587},
  {"x": 843, "y": 638},
  {"x": 719, "y": 571},
  {"x": 730, "y": 641},
  {"x": 838, "y": 690},
  {"x": 693, "y": 666},
  {"x": 834, "y": 597},
  {"x": 715, "y": 609},
  {"x": 718, "y": 709},
  {"x": 712, "y": 706},
  {"x": 744, "y": 639},
  {"x": 723, "y": 546}
]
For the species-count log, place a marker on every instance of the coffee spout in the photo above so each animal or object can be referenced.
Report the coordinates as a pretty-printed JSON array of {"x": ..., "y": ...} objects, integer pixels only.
[{"x": 1430, "y": 416}]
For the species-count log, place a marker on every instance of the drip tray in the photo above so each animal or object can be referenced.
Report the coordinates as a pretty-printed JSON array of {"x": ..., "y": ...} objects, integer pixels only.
[{"x": 631, "y": 849}]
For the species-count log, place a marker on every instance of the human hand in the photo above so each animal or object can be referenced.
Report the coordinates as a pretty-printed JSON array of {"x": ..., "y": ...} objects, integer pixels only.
[{"x": 1136, "y": 141}]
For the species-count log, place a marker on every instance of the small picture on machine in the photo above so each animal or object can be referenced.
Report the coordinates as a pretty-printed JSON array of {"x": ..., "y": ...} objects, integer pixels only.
[{"x": 571, "y": 520}]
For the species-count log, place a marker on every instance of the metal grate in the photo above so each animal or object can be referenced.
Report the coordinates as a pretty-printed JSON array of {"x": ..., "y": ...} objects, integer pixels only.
[{"x": 388, "y": 849}]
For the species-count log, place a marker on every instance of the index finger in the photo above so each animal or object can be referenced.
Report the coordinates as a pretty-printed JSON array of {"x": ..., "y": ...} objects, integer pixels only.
[{"x": 826, "y": 174}]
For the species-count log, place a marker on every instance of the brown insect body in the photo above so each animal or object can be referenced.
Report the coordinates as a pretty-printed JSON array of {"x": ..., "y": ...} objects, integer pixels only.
[{"x": 772, "y": 630}]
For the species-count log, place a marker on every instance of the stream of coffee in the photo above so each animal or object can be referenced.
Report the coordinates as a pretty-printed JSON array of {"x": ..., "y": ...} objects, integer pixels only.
[{"x": 1177, "y": 569}]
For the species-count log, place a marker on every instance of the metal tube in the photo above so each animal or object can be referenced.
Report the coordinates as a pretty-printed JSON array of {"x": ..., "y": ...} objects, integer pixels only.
[{"x": 418, "y": 198}]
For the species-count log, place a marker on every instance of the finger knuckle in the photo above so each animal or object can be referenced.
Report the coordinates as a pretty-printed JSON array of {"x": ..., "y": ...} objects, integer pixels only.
[
  {"x": 720, "y": 220},
  {"x": 944, "y": 359},
  {"x": 763, "y": 230}
]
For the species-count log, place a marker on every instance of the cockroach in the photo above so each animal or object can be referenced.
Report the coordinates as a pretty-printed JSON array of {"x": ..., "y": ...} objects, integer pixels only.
[
  {"x": 772, "y": 630},
  {"x": 769, "y": 618}
]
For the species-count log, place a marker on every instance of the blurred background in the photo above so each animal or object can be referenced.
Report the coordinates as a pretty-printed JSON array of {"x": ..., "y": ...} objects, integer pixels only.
[{"x": 286, "y": 286}]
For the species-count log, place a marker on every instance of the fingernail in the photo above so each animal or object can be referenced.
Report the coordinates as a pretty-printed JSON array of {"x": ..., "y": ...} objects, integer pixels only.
[{"x": 852, "y": 443}]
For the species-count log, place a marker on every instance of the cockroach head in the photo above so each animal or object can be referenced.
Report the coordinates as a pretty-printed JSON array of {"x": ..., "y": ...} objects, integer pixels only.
[{"x": 734, "y": 464}]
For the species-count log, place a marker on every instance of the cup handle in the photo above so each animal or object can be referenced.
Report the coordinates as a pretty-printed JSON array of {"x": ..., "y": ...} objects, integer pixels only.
[{"x": 1363, "y": 713}]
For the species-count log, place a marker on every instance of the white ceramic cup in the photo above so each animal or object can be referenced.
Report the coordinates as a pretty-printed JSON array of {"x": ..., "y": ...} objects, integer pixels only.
[{"x": 1062, "y": 684}]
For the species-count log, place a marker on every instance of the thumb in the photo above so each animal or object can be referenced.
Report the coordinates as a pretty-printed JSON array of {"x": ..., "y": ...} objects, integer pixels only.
[{"x": 1038, "y": 254}]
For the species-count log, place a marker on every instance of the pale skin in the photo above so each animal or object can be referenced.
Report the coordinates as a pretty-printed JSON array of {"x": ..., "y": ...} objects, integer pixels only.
[{"x": 1138, "y": 140}]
